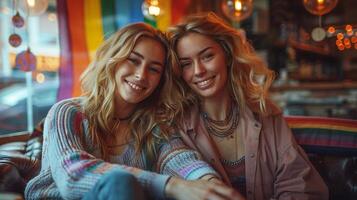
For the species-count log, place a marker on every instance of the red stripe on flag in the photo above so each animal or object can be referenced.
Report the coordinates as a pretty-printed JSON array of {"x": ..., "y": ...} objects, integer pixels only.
[
  {"x": 179, "y": 10},
  {"x": 323, "y": 121},
  {"x": 80, "y": 56}
]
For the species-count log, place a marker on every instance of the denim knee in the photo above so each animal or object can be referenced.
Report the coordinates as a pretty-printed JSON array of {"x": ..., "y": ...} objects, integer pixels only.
[
  {"x": 118, "y": 177},
  {"x": 117, "y": 184}
]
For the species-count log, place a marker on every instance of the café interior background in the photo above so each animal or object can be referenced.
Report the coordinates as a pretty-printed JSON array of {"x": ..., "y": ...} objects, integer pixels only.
[{"x": 310, "y": 44}]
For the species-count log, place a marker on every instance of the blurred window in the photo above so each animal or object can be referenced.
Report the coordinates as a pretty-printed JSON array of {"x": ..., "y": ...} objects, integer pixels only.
[{"x": 19, "y": 110}]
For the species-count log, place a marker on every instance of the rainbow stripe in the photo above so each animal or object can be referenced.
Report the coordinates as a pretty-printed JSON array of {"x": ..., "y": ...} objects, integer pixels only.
[
  {"x": 85, "y": 24},
  {"x": 347, "y": 125},
  {"x": 325, "y": 135}
]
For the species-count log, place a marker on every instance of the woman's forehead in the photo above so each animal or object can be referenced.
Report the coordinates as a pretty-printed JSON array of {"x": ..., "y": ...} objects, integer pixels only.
[{"x": 193, "y": 43}]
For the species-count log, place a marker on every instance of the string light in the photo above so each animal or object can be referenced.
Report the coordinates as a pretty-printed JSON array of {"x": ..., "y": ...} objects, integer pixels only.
[
  {"x": 151, "y": 8},
  {"x": 237, "y": 10},
  {"x": 346, "y": 37},
  {"x": 348, "y": 27},
  {"x": 331, "y": 30},
  {"x": 40, "y": 78},
  {"x": 238, "y": 5},
  {"x": 340, "y": 36},
  {"x": 31, "y": 3}
]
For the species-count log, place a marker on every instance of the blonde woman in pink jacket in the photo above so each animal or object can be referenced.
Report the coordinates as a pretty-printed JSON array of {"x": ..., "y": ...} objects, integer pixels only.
[{"x": 229, "y": 118}]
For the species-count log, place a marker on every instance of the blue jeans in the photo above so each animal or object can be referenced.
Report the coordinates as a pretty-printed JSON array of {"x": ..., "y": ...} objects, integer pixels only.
[{"x": 116, "y": 185}]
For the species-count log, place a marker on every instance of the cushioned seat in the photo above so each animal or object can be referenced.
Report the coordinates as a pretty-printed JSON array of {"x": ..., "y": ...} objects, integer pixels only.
[
  {"x": 20, "y": 160},
  {"x": 331, "y": 145}
]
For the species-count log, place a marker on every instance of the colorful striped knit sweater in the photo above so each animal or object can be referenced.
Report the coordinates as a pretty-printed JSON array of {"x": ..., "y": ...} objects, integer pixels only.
[{"x": 71, "y": 164}]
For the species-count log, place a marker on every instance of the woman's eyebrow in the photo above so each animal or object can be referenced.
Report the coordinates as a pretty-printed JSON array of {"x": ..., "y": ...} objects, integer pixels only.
[
  {"x": 138, "y": 54},
  {"x": 204, "y": 50},
  {"x": 199, "y": 53},
  {"x": 152, "y": 61}
]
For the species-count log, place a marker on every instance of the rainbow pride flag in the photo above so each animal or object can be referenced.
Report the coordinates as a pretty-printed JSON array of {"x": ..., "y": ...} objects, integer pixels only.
[
  {"x": 324, "y": 135},
  {"x": 85, "y": 24}
]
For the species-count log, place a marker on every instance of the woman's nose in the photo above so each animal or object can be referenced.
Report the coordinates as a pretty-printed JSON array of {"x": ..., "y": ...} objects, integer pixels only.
[
  {"x": 199, "y": 68},
  {"x": 140, "y": 72}
]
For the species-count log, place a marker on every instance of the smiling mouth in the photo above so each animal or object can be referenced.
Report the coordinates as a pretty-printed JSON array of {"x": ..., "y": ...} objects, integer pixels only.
[
  {"x": 134, "y": 86},
  {"x": 205, "y": 83}
]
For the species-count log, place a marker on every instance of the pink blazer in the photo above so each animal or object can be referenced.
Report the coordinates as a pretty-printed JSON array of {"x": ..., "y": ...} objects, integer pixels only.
[{"x": 276, "y": 166}]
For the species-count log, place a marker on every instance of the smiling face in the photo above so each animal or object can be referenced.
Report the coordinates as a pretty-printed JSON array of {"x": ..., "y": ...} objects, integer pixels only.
[
  {"x": 139, "y": 75},
  {"x": 204, "y": 66}
]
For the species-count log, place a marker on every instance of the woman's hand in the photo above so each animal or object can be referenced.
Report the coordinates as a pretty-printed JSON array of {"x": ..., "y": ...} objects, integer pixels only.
[{"x": 200, "y": 190}]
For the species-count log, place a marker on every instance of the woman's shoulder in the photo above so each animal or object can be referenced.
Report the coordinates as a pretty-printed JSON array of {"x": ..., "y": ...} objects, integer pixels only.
[
  {"x": 71, "y": 103},
  {"x": 190, "y": 116},
  {"x": 271, "y": 109},
  {"x": 67, "y": 107}
]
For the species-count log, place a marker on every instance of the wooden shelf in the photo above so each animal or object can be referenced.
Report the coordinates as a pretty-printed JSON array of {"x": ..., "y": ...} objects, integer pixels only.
[
  {"x": 317, "y": 86},
  {"x": 310, "y": 48},
  {"x": 304, "y": 47}
]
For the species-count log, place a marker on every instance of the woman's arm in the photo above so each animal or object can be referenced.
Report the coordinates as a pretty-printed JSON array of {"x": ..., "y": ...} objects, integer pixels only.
[
  {"x": 200, "y": 189},
  {"x": 74, "y": 170},
  {"x": 201, "y": 181}
]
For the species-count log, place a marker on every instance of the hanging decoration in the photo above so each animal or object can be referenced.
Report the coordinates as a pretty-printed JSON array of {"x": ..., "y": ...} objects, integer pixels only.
[
  {"x": 319, "y": 7},
  {"x": 15, "y": 40},
  {"x": 26, "y": 61},
  {"x": 318, "y": 34},
  {"x": 17, "y": 20},
  {"x": 34, "y": 7},
  {"x": 237, "y": 10}
]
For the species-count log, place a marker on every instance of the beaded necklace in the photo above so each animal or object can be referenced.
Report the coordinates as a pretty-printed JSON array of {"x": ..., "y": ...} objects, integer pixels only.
[{"x": 222, "y": 128}]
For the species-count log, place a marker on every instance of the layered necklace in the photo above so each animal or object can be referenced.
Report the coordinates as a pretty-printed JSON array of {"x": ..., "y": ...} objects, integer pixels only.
[{"x": 222, "y": 128}]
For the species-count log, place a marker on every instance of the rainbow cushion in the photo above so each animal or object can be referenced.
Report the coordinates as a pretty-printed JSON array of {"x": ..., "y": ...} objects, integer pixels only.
[{"x": 325, "y": 135}]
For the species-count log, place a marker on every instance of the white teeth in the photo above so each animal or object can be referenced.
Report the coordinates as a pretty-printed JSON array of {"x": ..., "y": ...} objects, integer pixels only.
[
  {"x": 134, "y": 86},
  {"x": 204, "y": 83}
]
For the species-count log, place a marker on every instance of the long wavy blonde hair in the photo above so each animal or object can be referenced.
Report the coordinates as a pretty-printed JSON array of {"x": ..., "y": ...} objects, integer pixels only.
[
  {"x": 99, "y": 87},
  {"x": 249, "y": 78}
]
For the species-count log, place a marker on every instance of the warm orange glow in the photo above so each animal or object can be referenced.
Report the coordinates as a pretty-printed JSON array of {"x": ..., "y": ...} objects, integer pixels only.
[
  {"x": 238, "y": 5},
  {"x": 341, "y": 47},
  {"x": 338, "y": 42},
  {"x": 348, "y": 45},
  {"x": 348, "y": 27},
  {"x": 350, "y": 32},
  {"x": 331, "y": 29},
  {"x": 340, "y": 36},
  {"x": 154, "y": 2},
  {"x": 40, "y": 78},
  {"x": 354, "y": 39},
  {"x": 320, "y": 1},
  {"x": 154, "y": 10},
  {"x": 346, "y": 41}
]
